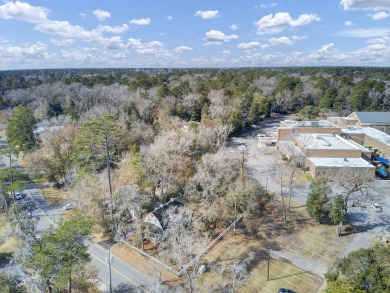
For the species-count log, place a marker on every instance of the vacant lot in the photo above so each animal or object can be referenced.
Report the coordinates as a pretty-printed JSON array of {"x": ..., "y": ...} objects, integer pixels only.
[{"x": 52, "y": 196}]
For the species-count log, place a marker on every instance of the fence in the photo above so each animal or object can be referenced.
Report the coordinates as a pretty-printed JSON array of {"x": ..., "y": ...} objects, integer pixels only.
[{"x": 194, "y": 260}]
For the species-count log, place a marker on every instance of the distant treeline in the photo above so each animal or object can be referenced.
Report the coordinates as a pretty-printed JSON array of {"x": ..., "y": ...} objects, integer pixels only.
[{"x": 237, "y": 97}]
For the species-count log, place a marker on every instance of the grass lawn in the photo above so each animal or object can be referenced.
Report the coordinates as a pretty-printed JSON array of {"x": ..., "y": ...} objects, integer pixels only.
[{"x": 52, "y": 196}]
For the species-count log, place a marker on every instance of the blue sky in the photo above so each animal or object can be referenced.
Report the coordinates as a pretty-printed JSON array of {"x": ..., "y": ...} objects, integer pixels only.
[{"x": 193, "y": 33}]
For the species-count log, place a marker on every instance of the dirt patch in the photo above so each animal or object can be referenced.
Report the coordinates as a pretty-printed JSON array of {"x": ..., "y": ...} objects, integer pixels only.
[{"x": 100, "y": 237}]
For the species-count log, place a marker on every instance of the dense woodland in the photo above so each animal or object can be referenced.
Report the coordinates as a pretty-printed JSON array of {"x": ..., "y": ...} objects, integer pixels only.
[{"x": 117, "y": 141}]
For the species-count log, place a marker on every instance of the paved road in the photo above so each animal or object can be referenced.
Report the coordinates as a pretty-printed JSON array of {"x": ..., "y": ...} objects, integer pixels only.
[{"x": 123, "y": 275}]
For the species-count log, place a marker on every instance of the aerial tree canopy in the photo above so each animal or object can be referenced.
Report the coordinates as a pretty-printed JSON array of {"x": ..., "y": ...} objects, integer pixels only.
[
  {"x": 20, "y": 129},
  {"x": 364, "y": 270}
]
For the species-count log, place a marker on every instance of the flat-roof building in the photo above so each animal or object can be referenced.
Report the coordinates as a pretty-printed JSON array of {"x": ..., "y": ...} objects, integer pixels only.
[{"x": 319, "y": 147}]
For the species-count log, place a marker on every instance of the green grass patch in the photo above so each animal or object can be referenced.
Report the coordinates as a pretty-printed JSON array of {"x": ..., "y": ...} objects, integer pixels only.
[{"x": 39, "y": 180}]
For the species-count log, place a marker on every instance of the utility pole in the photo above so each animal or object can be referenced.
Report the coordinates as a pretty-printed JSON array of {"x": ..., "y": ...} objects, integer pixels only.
[
  {"x": 269, "y": 259},
  {"x": 110, "y": 260}
]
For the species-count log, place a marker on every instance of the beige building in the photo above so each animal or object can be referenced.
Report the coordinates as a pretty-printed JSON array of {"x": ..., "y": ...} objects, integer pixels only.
[
  {"x": 318, "y": 146},
  {"x": 377, "y": 120},
  {"x": 371, "y": 137}
]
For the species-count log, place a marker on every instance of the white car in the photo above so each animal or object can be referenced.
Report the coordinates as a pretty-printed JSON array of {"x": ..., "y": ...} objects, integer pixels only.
[
  {"x": 377, "y": 207},
  {"x": 18, "y": 196},
  {"x": 68, "y": 206}
]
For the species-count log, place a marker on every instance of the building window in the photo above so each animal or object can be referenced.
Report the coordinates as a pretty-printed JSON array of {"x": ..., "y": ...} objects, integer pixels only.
[{"x": 382, "y": 129}]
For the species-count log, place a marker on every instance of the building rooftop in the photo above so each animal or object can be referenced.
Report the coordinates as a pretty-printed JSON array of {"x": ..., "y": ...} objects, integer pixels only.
[
  {"x": 372, "y": 132},
  {"x": 376, "y": 118},
  {"x": 313, "y": 124},
  {"x": 325, "y": 141},
  {"x": 340, "y": 162}
]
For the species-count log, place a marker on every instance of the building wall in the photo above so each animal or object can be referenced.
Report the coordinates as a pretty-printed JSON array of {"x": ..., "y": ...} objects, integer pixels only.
[
  {"x": 347, "y": 122},
  {"x": 334, "y": 153},
  {"x": 341, "y": 172},
  {"x": 384, "y": 149}
]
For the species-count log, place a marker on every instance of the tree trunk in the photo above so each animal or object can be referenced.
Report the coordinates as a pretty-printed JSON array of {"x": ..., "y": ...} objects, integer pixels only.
[
  {"x": 283, "y": 206},
  {"x": 235, "y": 216},
  {"x": 108, "y": 163},
  {"x": 338, "y": 229},
  {"x": 70, "y": 281}
]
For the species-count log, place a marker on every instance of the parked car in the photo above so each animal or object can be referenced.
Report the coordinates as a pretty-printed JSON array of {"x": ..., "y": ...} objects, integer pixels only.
[
  {"x": 18, "y": 196},
  {"x": 377, "y": 207},
  {"x": 283, "y": 290},
  {"x": 68, "y": 206}
]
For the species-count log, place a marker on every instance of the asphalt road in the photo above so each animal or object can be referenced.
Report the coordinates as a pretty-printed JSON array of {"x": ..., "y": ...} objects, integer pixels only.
[{"x": 123, "y": 276}]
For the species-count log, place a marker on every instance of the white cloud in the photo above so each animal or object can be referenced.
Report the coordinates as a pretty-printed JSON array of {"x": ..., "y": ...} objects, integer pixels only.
[
  {"x": 284, "y": 41},
  {"x": 214, "y": 37},
  {"x": 34, "y": 51},
  {"x": 365, "y": 4},
  {"x": 234, "y": 27},
  {"x": 62, "y": 42},
  {"x": 101, "y": 14},
  {"x": 383, "y": 40},
  {"x": 182, "y": 49},
  {"x": 23, "y": 11},
  {"x": 366, "y": 33},
  {"x": 207, "y": 14},
  {"x": 252, "y": 46},
  {"x": 142, "y": 21},
  {"x": 380, "y": 15},
  {"x": 226, "y": 52},
  {"x": 83, "y": 15},
  {"x": 169, "y": 17},
  {"x": 348, "y": 23},
  {"x": 151, "y": 48},
  {"x": 268, "y": 5},
  {"x": 327, "y": 55},
  {"x": 113, "y": 29},
  {"x": 270, "y": 24}
]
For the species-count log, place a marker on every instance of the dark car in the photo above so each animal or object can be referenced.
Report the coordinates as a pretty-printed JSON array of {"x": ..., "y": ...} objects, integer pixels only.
[{"x": 283, "y": 290}]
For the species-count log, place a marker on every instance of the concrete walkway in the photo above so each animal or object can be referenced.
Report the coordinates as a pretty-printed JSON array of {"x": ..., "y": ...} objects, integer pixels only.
[{"x": 303, "y": 262}]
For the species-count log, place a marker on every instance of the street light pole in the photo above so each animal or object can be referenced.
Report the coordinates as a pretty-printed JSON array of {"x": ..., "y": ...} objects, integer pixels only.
[{"x": 269, "y": 258}]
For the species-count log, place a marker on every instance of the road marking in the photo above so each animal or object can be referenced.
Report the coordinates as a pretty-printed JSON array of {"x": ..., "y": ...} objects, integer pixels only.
[
  {"x": 39, "y": 208},
  {"x": 115, "y": 270}
]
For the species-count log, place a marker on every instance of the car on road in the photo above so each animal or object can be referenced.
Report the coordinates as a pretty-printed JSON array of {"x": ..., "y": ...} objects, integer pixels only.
[
  {"x": 68, "y": 206},
  {"x": 18, "y": 196},
  {"x": 284, "y": 290},
  {"x": 376, "y": 207}
]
